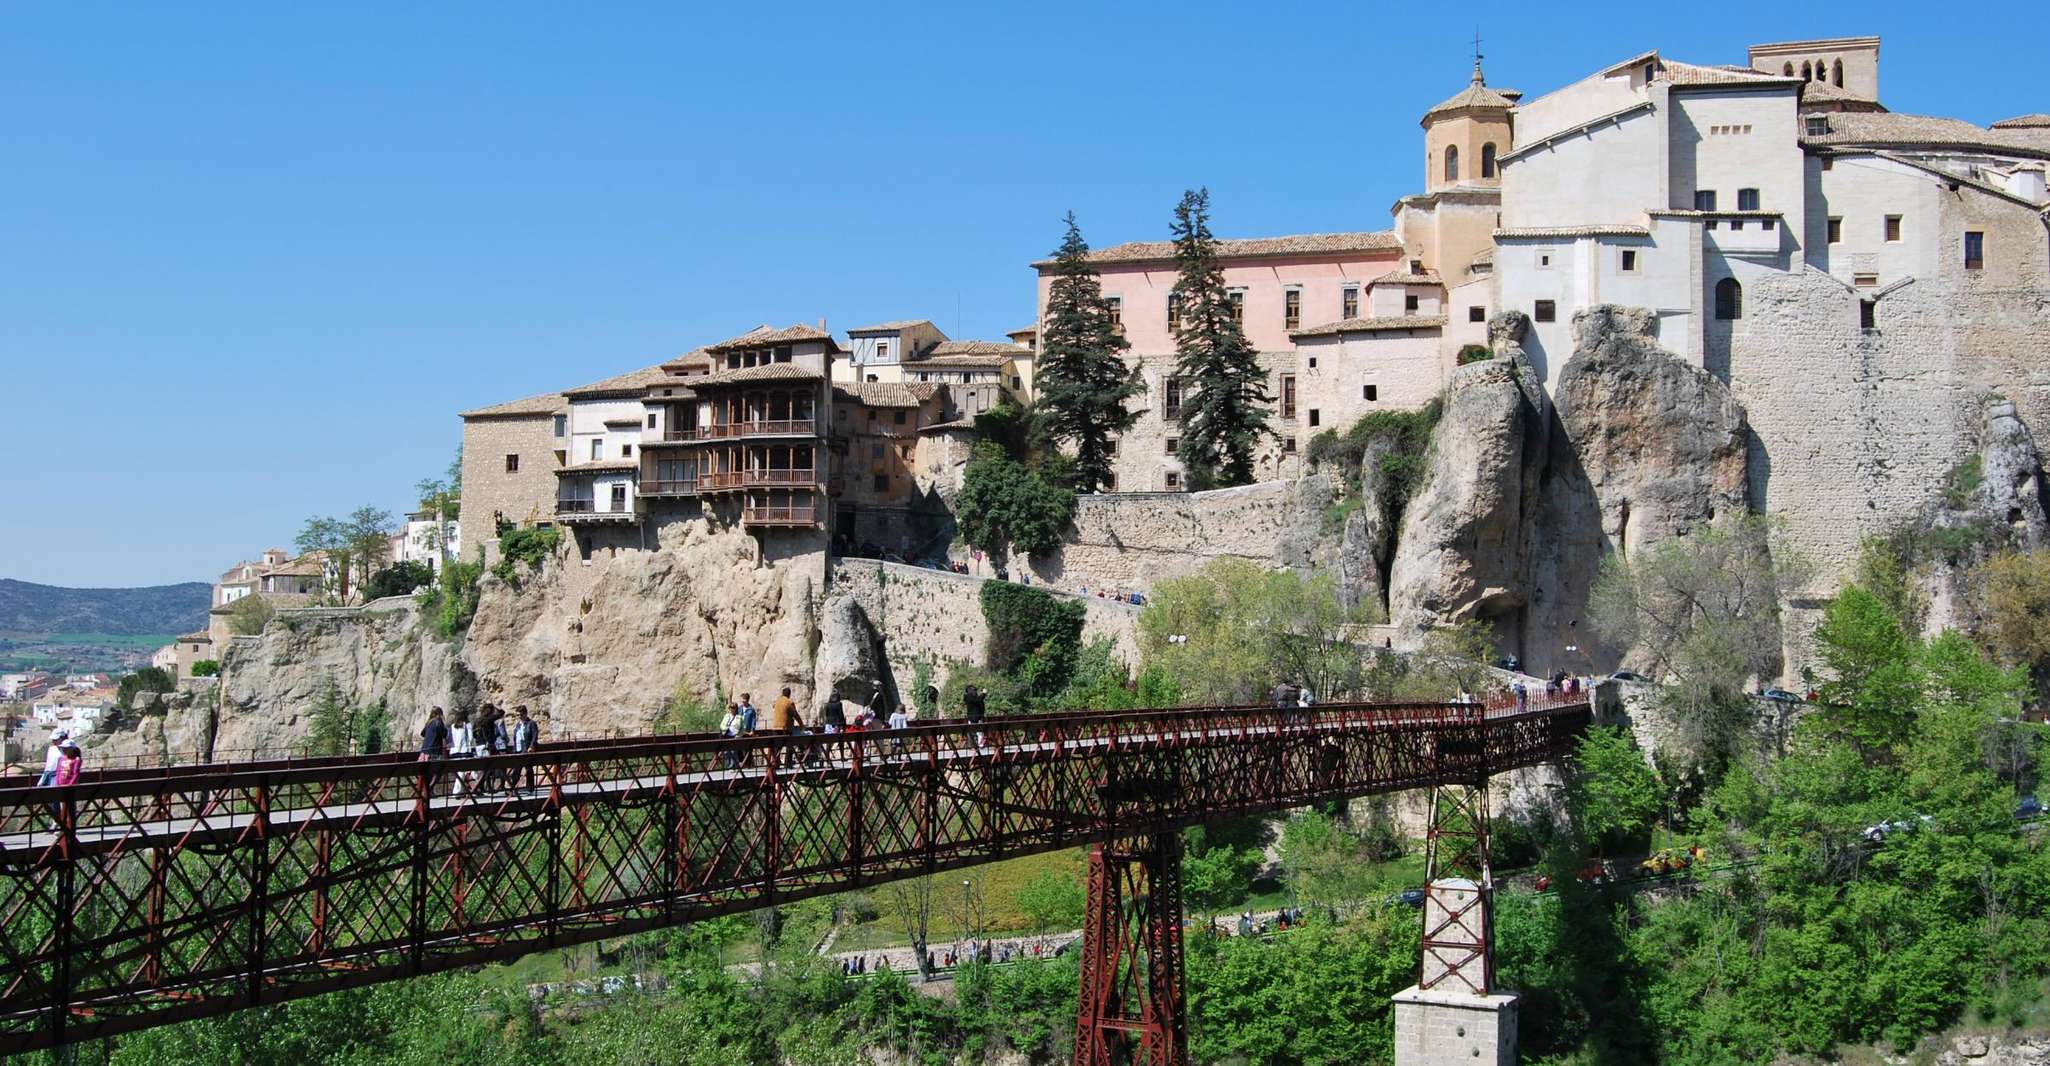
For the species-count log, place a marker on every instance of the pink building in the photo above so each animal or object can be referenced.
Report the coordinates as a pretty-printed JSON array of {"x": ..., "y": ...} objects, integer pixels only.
[{"x": 1281, "y": 284}]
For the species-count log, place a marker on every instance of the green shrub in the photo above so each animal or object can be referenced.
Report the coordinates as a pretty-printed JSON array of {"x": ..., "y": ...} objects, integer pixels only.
[
  {"x": 147, "y": 679},
  {"x": 249, "y": 615},
  {"x": 1475, "y": 353},
  {"x": 398, "y": 579},
  {"x": 451, "y": 604},
  {"x": 1034, "y": 636},
  {"x": 206, "y": 668},
  {"x": 530, "y": 546},
  {"x": 1409, "y": 433}
]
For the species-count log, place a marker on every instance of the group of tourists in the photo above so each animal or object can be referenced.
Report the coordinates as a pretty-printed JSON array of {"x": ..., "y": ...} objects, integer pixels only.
[
  {"x": 743, "y": 719},
  {"x": 492, "y": 732},
  {"x": 1559, "y": 684}
]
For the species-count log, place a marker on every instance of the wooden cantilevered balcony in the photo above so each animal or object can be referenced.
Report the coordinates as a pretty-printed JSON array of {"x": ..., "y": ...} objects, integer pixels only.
[
  {"x": 668, "y": 488},
  {"x": 777, "y": 427},
  {"x": 585, "y": 512},
  {"x": 720, "y": 481},
  {"x": 803, "y": 477},
  {"x": 672, "y": 436},
  {"x": 781, "y": 514}
]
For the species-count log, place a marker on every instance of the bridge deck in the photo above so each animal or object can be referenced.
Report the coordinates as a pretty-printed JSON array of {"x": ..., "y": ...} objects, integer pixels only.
[{"x": 144, "y": 897}]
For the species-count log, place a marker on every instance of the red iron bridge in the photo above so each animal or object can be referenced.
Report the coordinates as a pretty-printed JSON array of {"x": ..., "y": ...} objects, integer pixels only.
[{"x": 143, "y": 897}]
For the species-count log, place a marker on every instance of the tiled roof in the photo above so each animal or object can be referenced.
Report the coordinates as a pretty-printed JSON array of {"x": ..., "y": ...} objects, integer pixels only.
[
  {"x": 690, "y": 360},
  {"x": 1476, "y": 94},
  {"x": 296, "y": 568},
  {"x": 1250, "y": 247},
  {"x": 1033, "y": 328},
  {"x": 900, "y": 324},
  {"x": 964, "y": 359},
  {"x": 631, "y": 383},
  {"x": 945, "y": 348},
  {"x": 201, "y": 637},
  {"x": 1822, "y": 92},
  {"x": 1371, "y": 325},
  {"x": 1694, "y": 74},
  {"x": 886, "y": 393},
  {"x": 2023, "y": 122},
  {"x": 1486, "y": 258},
  {"x": 957, "y": 425},
  {"x": 1927, "y": 131},
  {"x": 762, "y": 336},
  {"x": 1404, "y": 277},
  {"x": 603, "y": 466},
  {"x": 747, "y": 374},
  {"x": 546, "y": 403},
  {"x": 1616, "y": 230}
]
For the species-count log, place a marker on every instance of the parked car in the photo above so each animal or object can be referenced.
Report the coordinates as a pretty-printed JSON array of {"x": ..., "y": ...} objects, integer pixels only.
[
  {"x": 2029, "y": 807},
  {"x": 1877, "y": 834},
  {"x": 1628, "y": 675},
  {"x": 1672, "y": 860},
  {"x": 1408, "y": 897},
  {"x": 1781, "y": 695}
]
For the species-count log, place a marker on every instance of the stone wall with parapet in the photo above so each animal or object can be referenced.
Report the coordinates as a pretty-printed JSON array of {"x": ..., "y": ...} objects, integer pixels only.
[
  {"x": 937, "y": 615},
  {"x": 1130, "y": 541}
]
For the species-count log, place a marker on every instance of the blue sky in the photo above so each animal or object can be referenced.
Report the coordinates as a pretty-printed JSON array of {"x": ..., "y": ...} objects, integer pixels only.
[{"x": 253, "y": 259}]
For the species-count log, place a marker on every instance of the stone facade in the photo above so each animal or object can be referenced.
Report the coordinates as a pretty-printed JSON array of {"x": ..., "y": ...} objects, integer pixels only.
[
  {"x": 492, "y": 489},
  {"x": 937, "y": 615},
  {"x": 1130, "y": 541},
  {"x": 1450, "y": 1029}
]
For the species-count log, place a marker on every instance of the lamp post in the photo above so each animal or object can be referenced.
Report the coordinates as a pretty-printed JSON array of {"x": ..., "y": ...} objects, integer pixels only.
[{"x": 967, "y": 916}]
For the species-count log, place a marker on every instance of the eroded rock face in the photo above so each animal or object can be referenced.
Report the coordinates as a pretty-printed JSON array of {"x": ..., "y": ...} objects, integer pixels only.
[
  {"x": 1995, "y": 503},
  {"x": 378, "y": 653},
  {"x": 851, "y": 664},
  {"x": 1459, "y": 555}
]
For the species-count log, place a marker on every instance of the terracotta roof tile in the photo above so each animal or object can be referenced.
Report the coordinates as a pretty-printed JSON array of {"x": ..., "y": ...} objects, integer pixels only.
[
  {"x": 1616, "y": 230},
  {"x": 946, "y": 348},
  {"x": 1926, "y": 131},
  {"x": 1476, "y": 94},
  {"x": 900, "y": 324},
  {"x": 747, "y": 374},
  {"x": 886, "y": 393},
  {"x": 1404, "y": 277},
  {"x": 1371, "y": 325},
  {"x": 631, "y": 383},
  {"x": 1249, "y": 247},
  {"x": 546, "y": 403},
  {"x": 763, "y": 336},
  {"x": 2023, "y": 122},
  {"x": 1680, "y": 73}
]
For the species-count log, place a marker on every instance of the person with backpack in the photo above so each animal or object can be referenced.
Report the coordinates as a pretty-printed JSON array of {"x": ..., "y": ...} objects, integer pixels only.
[{"x": 526, "y": 736}]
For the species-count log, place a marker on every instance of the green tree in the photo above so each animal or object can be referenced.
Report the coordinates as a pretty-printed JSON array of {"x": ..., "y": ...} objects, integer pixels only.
[
  {"x": 331, "y": 726},
  {"x": 398, "y": 579},
  {"x": 1084, "y": 383},
  {"x": 1051, "y": 900},
  {"x": 146, "y": 679},
  {"x": 1231, "y": 631},
  {"x": 249, "y": 614},
  {"x": 1004, "y": 505},
  {"x": 1876, "y": 679},
  {"x": 1034, "y": 635},
  {"x": 1223, "y": 414},
  {"x": 368, "y": 531},
  {"x": 331, "y": 538},
  {"x": 2014, "y": 589},
  {"x": 1324, "y": 866},
  {"x": 1611, "y": 793}
]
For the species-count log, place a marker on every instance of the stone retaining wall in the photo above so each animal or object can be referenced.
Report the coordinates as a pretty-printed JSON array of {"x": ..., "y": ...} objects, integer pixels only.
[{"x": 1131, "y": 540}]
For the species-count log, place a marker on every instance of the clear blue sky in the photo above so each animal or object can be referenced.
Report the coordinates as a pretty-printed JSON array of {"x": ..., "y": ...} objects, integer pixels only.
[{"x": 254, "y": 259}]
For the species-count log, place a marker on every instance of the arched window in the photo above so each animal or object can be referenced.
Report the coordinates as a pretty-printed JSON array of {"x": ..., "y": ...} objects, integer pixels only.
[
  {"x": 1836, "y": 73},
  {"x": 1788, "y": 68},
  {"x": 1488, "y": 160},
  {"x": 1451, "y": 162},
  {"x": 1729, "y": 299},
  {"x": 1807, "y": 71}
]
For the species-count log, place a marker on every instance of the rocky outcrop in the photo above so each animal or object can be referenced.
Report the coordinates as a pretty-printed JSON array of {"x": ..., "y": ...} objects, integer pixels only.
[
  {"x": 1523, "y": 498},
  {"x": 1993, "y": 502},
  {"x": 1459, "y": 555},
  {"x": 852, "y": 664}
]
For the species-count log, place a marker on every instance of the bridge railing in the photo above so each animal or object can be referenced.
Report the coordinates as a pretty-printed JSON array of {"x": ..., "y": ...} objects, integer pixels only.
[{"x": 147, "y": 896}]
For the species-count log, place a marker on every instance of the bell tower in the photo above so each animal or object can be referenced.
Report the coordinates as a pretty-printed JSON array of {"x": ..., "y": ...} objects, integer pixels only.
[{"x": 1465, "y": 136}]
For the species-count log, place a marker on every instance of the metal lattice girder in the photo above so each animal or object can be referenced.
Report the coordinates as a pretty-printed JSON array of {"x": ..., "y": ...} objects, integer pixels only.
[
  {"x": 1458, "y": 937},
  {"x": 1131, "y": 1009},
  {"x": 142, "y": 897}
]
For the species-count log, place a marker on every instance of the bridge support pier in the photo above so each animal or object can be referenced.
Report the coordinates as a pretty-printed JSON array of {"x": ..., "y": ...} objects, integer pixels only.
[
  {"x": 1454, "y": 1014},
  {"x": 1132, "y": 1008}
]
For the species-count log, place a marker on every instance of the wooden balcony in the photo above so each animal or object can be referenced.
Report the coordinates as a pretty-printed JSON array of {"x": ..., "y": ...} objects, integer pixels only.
[
  {"x": 787, "y": 427},
  {"x": 585, "y": 512},
  {"x": 729, "y": 480},
  {"x": 800, "y": 478},
  {"x": 796, "y": 514},
  {"x": 668, "y": 488},
  {"x": 691, "y": 435}
]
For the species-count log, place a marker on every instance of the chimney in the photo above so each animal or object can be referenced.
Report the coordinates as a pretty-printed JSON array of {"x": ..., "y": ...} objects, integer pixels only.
[{"x": 822, "y": 325}]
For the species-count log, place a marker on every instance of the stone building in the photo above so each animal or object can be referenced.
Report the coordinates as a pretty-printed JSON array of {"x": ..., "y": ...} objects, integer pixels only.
[
  {"x": 510, "y": 454},
  {"x": 882, "y": 499}
]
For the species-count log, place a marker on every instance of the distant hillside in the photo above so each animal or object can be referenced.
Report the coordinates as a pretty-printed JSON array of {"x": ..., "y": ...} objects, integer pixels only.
[{"x": 26, "y": 607}]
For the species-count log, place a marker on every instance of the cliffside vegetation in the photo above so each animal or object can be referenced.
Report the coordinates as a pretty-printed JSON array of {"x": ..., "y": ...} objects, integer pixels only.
[
  {"x": 1006, "y": 505},
  {"x": 1396, "y": 443}
]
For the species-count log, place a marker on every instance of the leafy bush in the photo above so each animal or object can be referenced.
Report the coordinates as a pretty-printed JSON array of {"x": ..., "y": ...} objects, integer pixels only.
[
  {"x": 1475, "y": 353},
  {"x": 1033, "y": 635},
  {"x": 206, "y": 668},
  {"x": 147, "y": 679},
  {"x": 529, "y": 545},
  {"x": 1408, "y": 435},
  {"x": 398, "y": 579},
  {"x": 1000, "y": 694},
  {"x": 451, "y": 604},
  {"x": 1006, "y": 505},
  {"x": 249, "y": 615}
]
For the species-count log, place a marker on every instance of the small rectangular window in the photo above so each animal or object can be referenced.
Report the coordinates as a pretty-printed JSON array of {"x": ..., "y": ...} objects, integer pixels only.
[
  {"x": 1291, "y": 308},
  {"x": 1288, "y": 446},
  {"x": 1238, "y": 305},
  {"x": 1836, "y": 230},
  {"x": 882, "y": 482},
  {"x": 651, "y": 420},
  {"x": 1409, "y": 303},
  {"x": 1315, "y": 418},
  {"x": 1817, "y": 126},
  {"x": 1975, "y": 249},
  {"x": 561, "y": 425},
  {"x": 1868, "y": 314},
  {"x": 1313, "y": 362},
  {"x": 1736, "y": 224},
  {"x": 1704, "y": 199},
  {"x": 882, "y": 351},
  {"x": 1629, "y": 264},
  {"x": 1476, "y": 314},
  {"x": 1747, "y": 199},
  {"x": 626, "y": 451},
  {"x": 900, "y": 418},
  {"x": 1174, "y": 311},
  {"x": 1288, "y": 395},
  {"x": 1171, "y": 398},
  {"x": 1828, "y": 163},
  {"x": 1117, "y": 312},
  {"x": 1865, "y": 281},
  {"x": 1765, "y": 224},
  {"x": 597, "y": 449},
  {"x": 512, "y": 464},
  {"x": 1544, "y": 311},
  {"x": 1174, "y": 480},
  {"x": 1349, "y": 306},
  {"x": 1370, "y": 393},
  {"x": 1893, "y": 228},
  {"x": 1172, "y": 444},
  {"x": 1544, "y": 258}
]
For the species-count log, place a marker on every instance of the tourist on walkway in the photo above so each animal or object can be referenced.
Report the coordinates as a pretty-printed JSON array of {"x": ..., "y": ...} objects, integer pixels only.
[
  {"x": 1522, "y": 697},
  {"x": 750, "y": 716},
  {"x": 972, "y": 704},
  {"x": 899, "y": 719},
  {"x": 729, "y": 727},
  {"x": 52, "y": 757},
  {"x": 834, "y": 716},
  {"x": 433, "y": 746},
  {"x": 526, "y": 735},
  {"x": 69, "y": 761},
  {"x": 784, "y": 721},
  {"x": 461, "y": 743}
]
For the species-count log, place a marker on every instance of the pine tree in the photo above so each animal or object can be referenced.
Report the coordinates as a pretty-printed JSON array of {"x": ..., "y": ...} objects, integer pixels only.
[
  {"x": 1224, "y": 390},
  {"x": 1084, "y": 383}
]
